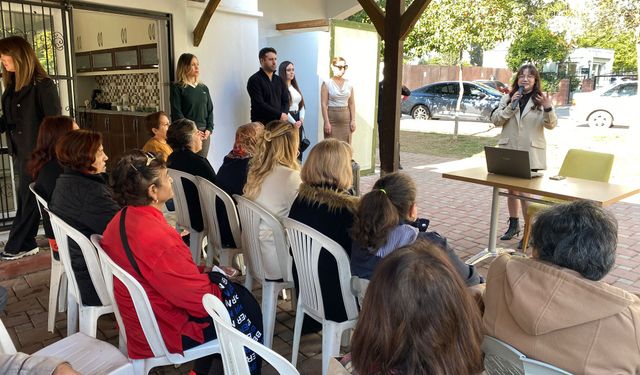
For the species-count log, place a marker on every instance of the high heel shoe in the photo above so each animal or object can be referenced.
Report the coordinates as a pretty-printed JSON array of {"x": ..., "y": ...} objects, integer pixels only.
[{"x": 513, "y": 230}]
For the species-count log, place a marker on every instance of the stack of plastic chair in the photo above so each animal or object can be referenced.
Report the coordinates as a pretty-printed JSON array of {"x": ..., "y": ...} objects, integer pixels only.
[
  {"x": 252, "y": 215},
  {"x": 233, "y": 343},
  {"x": 588, "y": 165},
  {"x": 209, "y": 194},
  {"x": 147, "y": 319},
  {"x": 183, "y": 220},
  {"x": 58, "y": 280},
  {"x": 88, "y": 314},
  {"x": 87, "y": 355},
  {"x": 503, "y": 359},
  {"x": 306, "y": 244}
]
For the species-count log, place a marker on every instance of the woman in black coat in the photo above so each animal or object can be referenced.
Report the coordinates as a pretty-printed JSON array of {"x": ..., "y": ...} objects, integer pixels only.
[
  {"x": 44, "y": 166},
  {"x": 325, "y": 204},
  {"x": 29, "y": 95},
  {"x": 186, "y": 141},
  {"x": 82, "y": 199}
]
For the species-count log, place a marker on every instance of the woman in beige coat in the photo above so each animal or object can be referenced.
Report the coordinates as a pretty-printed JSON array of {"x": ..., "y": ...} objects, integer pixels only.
[
  {"x": 523, "y": 115},
  {"x": 554, "y": 307}
]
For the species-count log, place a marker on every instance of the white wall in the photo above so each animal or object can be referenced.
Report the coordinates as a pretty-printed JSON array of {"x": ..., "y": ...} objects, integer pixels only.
[
  {"x": 227, "y": 54},
  {"x": 282, "y": 11}
]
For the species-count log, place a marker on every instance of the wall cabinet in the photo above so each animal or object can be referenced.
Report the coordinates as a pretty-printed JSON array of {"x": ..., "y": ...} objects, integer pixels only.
[
  {"x": 97, "y": 31},
  {"x": 121, "y": 132},
  {"x": 125, "y": 58}
]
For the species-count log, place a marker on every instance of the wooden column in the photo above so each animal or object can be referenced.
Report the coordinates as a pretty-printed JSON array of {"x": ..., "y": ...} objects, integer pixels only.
[{"x": 393, "y": 26}]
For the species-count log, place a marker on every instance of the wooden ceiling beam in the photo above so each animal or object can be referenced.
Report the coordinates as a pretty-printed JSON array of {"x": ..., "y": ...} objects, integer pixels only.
[
  {"x": 375, "y": 14},
  {"x": 302, "y": 24},
  {"x": 207, "y": 13},
  {"x": 411, "y": 16}
]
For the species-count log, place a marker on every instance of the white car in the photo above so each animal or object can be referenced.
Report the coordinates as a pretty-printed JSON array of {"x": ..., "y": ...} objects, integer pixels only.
[{"x": 618, "y": 104}]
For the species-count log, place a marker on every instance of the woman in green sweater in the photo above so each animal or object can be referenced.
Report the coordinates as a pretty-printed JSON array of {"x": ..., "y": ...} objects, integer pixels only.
[{"x": 190, "y": 99}]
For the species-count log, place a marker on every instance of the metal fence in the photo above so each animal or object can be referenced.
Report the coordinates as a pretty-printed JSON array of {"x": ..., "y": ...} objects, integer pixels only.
[{"x": 44, "y": 24}]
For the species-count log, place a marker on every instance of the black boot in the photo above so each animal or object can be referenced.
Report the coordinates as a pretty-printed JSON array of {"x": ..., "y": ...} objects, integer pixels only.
[{"x": 512, "y": 231}]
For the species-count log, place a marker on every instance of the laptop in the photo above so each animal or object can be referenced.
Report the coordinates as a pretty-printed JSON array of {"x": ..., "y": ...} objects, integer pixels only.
[{"x": 509, "y": 162}]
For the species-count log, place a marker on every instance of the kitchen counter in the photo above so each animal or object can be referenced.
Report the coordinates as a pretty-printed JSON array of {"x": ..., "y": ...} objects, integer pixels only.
[{"x": 114, "y": 112}]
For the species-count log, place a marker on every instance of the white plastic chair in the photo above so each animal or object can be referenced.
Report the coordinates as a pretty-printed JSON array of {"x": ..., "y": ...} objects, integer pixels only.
[
  {"x": 87, "y": 355},
  {"x": 233, "y": 342},
  {"x": 306, "y": 244},
  {"x": 183, "y": 220},
  {"x": 501, "y": 358},
  {"x": 58, "y": 279},
  {"x": 208, "y": 193},
  {"x": 88, "y": 314},
  {"x": 251, "y": 216},
  {"x": 147, "y": 319}
]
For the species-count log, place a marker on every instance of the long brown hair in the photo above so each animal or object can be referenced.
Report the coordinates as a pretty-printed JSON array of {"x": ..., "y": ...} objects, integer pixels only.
[
  {"x": 26, "y": 63},
  {"x": 417, "y": 317},
  {"x": 382, "y": 209},
  {"x": 282, "y": 72},
  {"x": 183, "y": 68},
  {"x": 537, "y": 90},
  {"x": 51, "y": 130}
]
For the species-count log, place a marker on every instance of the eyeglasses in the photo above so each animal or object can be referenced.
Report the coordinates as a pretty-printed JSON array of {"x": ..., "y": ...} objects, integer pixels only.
[
  {"x": 341, "y": 67},
  {"x": 528, "y": 76}
]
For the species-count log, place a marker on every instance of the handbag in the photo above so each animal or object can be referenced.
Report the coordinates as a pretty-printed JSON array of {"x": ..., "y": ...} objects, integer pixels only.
[
  {"x": 304, "y": 142},
  {"x": 241, "y": 305}
]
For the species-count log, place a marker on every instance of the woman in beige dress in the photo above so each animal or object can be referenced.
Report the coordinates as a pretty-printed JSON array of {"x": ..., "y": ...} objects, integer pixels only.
[{"x": 338, "y": 103}]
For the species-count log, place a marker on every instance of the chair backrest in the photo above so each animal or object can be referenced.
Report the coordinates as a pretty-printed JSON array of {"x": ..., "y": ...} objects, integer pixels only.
[
  {"x": 146, "y": 317},
  {"x": 6, "y": 344},
  {"x": 209, "y": 193},
  {"x": 62, "y": 233},
  {"x": 180, "y": 198},
  {"x": 251, "y": 216},
  {"x": 589, "y": 165},
  {"x": 502, "y": 358},
  {"x": 306, "y": 244},
  {"x": 233, "y": 343},
  {"x": 41, "y": 201}
]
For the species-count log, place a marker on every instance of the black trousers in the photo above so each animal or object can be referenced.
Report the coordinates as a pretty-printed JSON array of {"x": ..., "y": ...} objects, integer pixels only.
[{"x": 25, "y": 225}]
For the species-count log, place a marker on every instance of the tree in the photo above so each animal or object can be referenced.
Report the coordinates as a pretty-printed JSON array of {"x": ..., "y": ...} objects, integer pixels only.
[{"x": 539, "y": 46}]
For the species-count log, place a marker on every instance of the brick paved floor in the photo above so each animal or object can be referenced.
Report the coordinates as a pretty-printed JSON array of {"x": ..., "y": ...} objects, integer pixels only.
[{"x": 458, "y": 210}]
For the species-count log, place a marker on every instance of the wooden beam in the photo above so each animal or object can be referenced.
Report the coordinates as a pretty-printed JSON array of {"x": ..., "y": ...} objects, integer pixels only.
[
  {"x": 207, "y": 13},
  {"x": 375, "y": 14},
  {"x": 411, "y": 16},
  {"x": 302, "y": 24}
]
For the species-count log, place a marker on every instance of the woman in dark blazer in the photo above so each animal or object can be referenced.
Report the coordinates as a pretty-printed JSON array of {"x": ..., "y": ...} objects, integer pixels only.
[
  {"x": 29, "y": 95},
  {"x": 186, "y": 141},
  {"x": 82, "y": 198}
]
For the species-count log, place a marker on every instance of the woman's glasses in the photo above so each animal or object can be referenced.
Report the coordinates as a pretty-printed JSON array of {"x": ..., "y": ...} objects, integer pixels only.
[{"x": 341, "y": 67}]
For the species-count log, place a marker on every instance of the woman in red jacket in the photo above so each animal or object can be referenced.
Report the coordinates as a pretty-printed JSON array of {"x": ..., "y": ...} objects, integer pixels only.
[{"x": 167, "y": 273}]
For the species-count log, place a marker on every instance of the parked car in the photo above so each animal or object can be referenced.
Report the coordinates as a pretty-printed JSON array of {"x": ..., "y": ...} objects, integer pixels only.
[
  {"x": 617, "y": 104},
  {"x": 438, "y": 100},
  {"x": 494, "y": 85}
]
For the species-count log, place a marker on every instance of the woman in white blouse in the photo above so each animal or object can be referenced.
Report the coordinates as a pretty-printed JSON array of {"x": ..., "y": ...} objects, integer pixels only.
[
  {"x": 287, "y": 72},
  {"x": 338, "y": 104}
]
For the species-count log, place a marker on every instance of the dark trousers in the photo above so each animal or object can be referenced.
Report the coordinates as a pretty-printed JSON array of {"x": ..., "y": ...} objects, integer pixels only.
[
  {"x": 211, "y": 364},
  {"x": 25, "y": 225}
]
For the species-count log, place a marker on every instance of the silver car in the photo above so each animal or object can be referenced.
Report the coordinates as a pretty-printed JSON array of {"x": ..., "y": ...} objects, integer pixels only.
[{"x": 438, "y": 100}]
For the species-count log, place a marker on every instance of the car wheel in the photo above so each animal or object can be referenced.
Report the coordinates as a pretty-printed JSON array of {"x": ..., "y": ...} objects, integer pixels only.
[
  {"x": 600, "y": 119},
  {"x": 420, "y": 112}
]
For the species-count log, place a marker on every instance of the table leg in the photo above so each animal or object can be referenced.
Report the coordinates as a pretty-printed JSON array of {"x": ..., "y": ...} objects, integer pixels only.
[{"x": 491, "y": 250}]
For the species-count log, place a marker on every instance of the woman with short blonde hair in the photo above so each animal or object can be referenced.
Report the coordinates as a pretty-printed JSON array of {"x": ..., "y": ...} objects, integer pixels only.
[
  {"x": 338, "y": 103},
  {"x": 272, "y": 182},
  {"x": 325, "y": 204}
]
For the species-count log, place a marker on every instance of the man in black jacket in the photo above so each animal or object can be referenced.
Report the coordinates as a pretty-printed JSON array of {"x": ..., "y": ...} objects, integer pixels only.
[{"x": 269, "y": 94}]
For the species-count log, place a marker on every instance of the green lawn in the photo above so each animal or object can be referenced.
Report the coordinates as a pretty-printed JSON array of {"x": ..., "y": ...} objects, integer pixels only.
[{"x": 443, "y": 144}]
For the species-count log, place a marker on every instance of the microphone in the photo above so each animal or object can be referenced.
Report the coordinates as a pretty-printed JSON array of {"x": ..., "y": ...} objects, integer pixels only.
[{"x": 514, "y": 105}]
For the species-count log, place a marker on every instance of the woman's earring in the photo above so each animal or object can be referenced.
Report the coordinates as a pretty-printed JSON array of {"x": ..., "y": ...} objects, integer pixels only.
[{"x": 155, "y": 201}]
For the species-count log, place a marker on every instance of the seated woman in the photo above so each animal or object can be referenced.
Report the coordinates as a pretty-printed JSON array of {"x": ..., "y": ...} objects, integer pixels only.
[
  {"x": 81, "y": 197},
  {"x": 273, "y": 181},
  {"x": 417, "y": 318},
  {"x": 168, "y": 274},
  {"x": 385, "y": 222},
  {"x": 324, "y": 203},
  {"x": 553, "y": 307},
  {"x": 157, "y": 125},
  {"x": 44, "y": 166},
  {"x": 232, "y": 174},
  {"x": 186, "y": 140}
]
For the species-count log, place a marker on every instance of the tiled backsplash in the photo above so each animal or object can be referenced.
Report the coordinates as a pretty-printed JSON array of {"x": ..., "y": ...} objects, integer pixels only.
[{"x": 142, "y": 88}]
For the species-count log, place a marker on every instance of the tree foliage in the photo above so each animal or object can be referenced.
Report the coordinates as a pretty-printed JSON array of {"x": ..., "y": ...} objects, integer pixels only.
[
  {"x": 611, "y": 24},
  {"x": 539, "y": 46}
]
